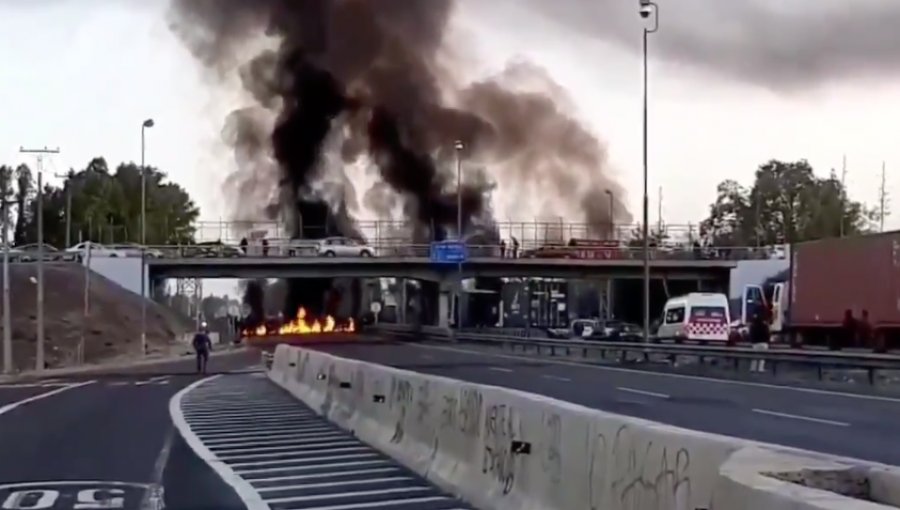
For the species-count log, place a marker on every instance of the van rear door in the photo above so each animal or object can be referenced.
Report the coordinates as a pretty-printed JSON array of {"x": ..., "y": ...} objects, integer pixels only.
[{"x": 708, "y": 323}]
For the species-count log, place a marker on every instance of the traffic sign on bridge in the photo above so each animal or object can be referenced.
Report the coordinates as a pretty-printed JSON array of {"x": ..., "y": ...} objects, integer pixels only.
[{"x": 449, "y": 252}]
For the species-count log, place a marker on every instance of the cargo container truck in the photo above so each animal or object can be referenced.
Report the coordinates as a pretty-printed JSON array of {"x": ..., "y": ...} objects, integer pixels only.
[{"x": 828, "y": 279}]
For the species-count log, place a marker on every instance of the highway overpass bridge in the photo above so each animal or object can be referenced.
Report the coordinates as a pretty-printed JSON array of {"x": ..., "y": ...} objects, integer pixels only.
[{"x": 422, "y": 268}]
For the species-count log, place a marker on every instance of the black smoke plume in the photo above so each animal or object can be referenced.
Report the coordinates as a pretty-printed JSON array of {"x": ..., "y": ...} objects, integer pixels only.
[{"x": 366, "y": 80}]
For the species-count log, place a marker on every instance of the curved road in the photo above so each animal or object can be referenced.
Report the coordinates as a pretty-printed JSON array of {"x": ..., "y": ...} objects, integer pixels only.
[
  {"x": 847, "y": 424},
  {"x": 159, "y": 436}
]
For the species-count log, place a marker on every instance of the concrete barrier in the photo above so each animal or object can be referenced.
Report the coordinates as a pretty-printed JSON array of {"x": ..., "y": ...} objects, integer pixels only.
[{"x": 509, "y": 450}]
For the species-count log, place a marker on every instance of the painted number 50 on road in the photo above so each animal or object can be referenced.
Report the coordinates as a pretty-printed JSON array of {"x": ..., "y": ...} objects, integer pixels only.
[{"x": 71, "y": 495}]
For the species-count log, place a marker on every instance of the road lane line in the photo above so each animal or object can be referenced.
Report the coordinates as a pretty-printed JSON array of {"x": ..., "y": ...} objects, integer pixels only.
[
  {"x": 643, "y": 392},
  {"x": 499, "y": 369},
  {"x": 154, "y": 497},
  {"x": 244, "y": 490},
  {"x": 534, "y": 359},
  {"x": 556, "y": 378},
  {"x": 9, "y": 407},
  {"x": 803, "y": 418},
  {"x": 342, "y": 483}
]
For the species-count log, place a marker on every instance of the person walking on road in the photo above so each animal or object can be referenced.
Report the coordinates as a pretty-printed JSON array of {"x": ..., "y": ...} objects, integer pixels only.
[
  {"x": 202, "y": 346},
  {"x": 759, "y": 336}
]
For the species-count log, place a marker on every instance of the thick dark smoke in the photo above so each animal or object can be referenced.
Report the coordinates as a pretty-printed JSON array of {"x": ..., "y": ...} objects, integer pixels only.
[
  {"x": 782, "y": 45},
  {"x": 368, "y": 76}
]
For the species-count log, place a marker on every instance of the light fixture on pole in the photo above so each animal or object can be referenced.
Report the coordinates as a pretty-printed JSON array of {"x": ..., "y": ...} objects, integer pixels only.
[
  {"x": 146, "y": 125},
  {"x": 648, "y": 9}
]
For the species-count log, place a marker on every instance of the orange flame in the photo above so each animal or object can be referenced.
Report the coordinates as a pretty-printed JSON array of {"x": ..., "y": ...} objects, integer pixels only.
[{"x": 302, "y": 326}]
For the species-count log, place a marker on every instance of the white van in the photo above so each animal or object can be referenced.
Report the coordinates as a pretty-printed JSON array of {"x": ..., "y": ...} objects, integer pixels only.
[{"x": 699, "y": 316}]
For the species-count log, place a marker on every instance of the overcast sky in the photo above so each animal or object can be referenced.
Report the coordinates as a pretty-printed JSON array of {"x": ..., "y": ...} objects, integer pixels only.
[{"x": 83, "y": 75}]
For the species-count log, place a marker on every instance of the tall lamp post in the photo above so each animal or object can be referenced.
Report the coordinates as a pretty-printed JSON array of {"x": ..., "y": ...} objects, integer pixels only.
[
  {"x": 612, "y": 224},
  {"x": 146, "y": 125},
  {"x": 7, "y": 318},
  {"x": 648, "y": 10},
  {"x": 458, "y": 145}
]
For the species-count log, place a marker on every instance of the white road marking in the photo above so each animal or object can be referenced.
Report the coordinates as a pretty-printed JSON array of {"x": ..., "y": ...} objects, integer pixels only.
[
  {"x": 296, "y": 455},
  {"x": 154, "y": 498},
  {"x": 556, "y": 378},
  {"x": 344, "y": 483},
  {"x": 14, "y": 386},
  {"x": 9, "y": 407},
  {"x": 244, "y": 490},
  {"x": 379, "y": 504},
  {"x": 160, "y": 379},
  {"x": 267, "y": 432},
  {"x": 327, "y": 474},
  {"x": 500, "y": 369},
  {"x": 226, "y": 420},
  {"x": 319, "y": 497},
  {"x": 120, "y": 383},
  {"x": 642, "y": 392},
  {"x": 292, "y": 446},
  {"x": 280, "y": 462},
  {"x": 284, "y": 437},
  {"x": 312, "y": 467},
  {"x": 662, "y": 374},
  {"x": 803, "y": 418}
]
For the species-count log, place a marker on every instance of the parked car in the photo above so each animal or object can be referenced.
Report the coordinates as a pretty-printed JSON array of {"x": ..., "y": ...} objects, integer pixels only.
[
  {"x": 344, "y": 247},
  {"x": 135, "y": 250},
  {"x": 210, "y": 250},
  {"x": 97, "y": 250},
  {"x": 29, "y": 253}
]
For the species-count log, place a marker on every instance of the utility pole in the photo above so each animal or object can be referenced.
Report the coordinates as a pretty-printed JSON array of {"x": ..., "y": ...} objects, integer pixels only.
[
  {"x": 882, "y": 197},
  {"x": 40, "y": 154},
  {"x": 458, "y": 146},
  {"x": 68, "y": 207},
  {"x": 659, "y": 208},
  {"x": 7, "y": 312},
  {"x": 843, "y": 191}
]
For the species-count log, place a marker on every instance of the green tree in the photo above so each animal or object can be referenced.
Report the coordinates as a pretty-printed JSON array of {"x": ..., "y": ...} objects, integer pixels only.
[
  {"x": 6, "y": 195},
  {"x": 106, "y": 207},
  {"x": 787, "y": 203},
  {"x": 24, "y": 193}
]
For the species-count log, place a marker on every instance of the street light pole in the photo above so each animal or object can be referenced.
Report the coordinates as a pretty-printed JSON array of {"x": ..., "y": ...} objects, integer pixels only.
[
  {"x": 146, "y": 125},
  {"x": 39, "y": 354},
  {"x": 648, "y": 9},
  {"x": 459, "y": 230},
  {"x": 612, "y": 224},
  {"x": 7, "y": 318}
]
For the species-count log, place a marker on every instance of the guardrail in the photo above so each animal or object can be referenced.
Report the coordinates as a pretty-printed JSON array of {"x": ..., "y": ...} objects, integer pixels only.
[
  {"x": 773, "y": 357},
  {"x": 402, "y": 251}
]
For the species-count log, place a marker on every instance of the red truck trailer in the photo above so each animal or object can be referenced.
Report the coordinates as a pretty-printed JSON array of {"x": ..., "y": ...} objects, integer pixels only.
[{"x": 829, "y": 277}]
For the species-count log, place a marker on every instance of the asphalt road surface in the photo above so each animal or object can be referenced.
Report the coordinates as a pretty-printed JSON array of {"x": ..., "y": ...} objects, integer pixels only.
[
  {"x": 160, "y": 437},
  {"x": 847, "y": 424},
  {"x": 107, "y": 441}
]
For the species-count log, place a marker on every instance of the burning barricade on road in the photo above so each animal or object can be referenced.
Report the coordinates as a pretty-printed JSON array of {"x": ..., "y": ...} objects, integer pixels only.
[{"x": 302, "y": 324}]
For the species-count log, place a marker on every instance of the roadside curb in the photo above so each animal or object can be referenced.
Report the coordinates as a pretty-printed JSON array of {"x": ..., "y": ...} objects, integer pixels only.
[{"x": 92, "y": 369}]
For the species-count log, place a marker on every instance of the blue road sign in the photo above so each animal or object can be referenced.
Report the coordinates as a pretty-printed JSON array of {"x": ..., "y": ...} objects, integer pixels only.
[{"x": 449, "y": 252}]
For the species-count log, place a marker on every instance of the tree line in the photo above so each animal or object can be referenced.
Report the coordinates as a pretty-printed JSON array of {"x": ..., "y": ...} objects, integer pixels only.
[
  {"x": 97, "y": 204},
  {"x": 786, "y": 203}
]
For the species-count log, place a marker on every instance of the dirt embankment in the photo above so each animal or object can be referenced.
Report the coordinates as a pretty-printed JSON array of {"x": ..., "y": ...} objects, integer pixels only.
[{"x": 113, "y": 325}]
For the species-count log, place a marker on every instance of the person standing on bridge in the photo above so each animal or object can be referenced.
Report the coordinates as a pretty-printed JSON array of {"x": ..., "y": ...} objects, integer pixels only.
[{"x": 202, "y": 346}]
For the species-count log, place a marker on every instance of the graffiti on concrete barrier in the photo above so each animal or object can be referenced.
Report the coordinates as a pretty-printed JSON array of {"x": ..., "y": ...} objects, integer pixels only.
[
  {"x": 359, "y": 383},
  {"x": 501, "y": 426},
  {"x": 449, "y": 408},
  {"x": 469, "y": 412},
  {"x": 551, "y": 460},
  {"x": 423, "y": 402},
  {"x": 401, "y": 398},
  {"x": 301, "y": 366},
  {"x": 634, "y": 473}
]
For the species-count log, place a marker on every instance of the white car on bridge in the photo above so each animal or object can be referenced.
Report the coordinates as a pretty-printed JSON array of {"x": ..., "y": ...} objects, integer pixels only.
[
  {"x": 97, "y": 250},
  {"x": 344, "y": 247}
]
